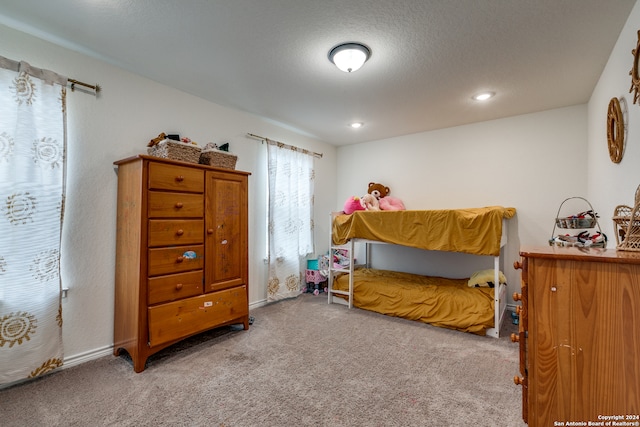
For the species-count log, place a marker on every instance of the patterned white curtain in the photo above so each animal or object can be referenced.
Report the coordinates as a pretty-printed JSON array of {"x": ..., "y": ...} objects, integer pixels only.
[
  {"x": 291, "y": 182},
  {"x": 32, "y": 183}
]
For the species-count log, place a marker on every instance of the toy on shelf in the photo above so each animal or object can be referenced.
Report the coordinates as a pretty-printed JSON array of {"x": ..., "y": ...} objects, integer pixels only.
[{"x": 314, "y": 277}]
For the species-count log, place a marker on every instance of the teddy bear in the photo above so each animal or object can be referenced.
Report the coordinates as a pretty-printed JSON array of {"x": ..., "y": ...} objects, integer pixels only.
[
  {"x": 385, "y": 202},
  {"x": 369, "y": 202},
  {"x": 378, "y": 190}
]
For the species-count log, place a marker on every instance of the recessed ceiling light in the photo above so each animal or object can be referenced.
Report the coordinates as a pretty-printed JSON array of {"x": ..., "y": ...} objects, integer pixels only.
[
  {"x": 483, "y": 96},
  {"x": 356, "y": 125}
]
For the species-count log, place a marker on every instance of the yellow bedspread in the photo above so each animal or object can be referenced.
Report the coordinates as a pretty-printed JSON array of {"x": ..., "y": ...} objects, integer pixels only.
[
  {"x": 448, "y": 303},
  {"x": 473, "y": 231}
]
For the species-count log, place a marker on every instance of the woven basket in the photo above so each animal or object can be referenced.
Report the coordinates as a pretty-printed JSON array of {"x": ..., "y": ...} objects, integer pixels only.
[
  {"x": 218, "y": 159},
  {"x": 175, "y": 150},
  {"x": 626, "y": 223}
]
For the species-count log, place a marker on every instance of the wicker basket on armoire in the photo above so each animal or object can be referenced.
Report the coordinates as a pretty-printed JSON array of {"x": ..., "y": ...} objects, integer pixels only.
[{"x": 626, "y": 223}]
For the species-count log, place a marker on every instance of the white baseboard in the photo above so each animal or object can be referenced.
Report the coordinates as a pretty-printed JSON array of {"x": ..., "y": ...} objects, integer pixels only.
[
  {"x": 257, "y": 304},
  {"x": 78, "y": 359}
]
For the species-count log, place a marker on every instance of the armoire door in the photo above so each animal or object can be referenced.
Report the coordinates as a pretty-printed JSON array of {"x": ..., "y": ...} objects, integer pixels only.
[{"x": 226, "y": 230}]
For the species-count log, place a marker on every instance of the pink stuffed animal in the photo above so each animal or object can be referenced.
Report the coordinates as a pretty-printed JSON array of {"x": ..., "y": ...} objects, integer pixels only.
[
  {"x": 389, "y": 203},
  {"x": 352, "y": 204}
]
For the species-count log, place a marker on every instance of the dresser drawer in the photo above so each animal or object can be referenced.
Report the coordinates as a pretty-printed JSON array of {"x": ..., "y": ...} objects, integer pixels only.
[
  {"x": 175, "y": 178},
  {"x": 175, "y": 320},
  {"x": 174, "y": 287},
  {"x": 175, "y": 205},
  {"x": 175, "y": 259},
  {"x": 165, "y": 232}
]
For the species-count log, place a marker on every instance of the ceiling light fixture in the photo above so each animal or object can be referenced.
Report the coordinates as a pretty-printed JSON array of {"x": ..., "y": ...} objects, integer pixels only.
[
  {"x": 483, "y": 96},
  {"x": 356, "y": 125},
  {"x": 349, "y": 57}
]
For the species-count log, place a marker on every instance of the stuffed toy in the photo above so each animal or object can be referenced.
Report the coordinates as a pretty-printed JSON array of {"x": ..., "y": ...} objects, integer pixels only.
[
  {"x": 352, "y": 204},
  {"x": 369, "y": 202},
  {"x": 385, "y": 202},
  {"x": 378, "y": 190},
  {"x": 389, "y": 203},
  {"x": 157, "y": 139}
]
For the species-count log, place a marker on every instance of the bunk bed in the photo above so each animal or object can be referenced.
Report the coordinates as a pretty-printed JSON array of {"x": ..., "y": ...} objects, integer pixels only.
[{"x": 450, "y": 303}]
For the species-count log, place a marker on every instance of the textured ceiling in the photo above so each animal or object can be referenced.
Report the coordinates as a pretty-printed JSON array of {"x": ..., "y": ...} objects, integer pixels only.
[{"x": 269, "y": 57}]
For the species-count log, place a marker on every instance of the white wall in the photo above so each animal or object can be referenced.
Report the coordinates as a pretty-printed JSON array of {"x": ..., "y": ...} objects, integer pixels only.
[
  {"x": 117, "y": 124},
  {"x": 612, "y": 184},
  {"x": 531, "y": 162}
]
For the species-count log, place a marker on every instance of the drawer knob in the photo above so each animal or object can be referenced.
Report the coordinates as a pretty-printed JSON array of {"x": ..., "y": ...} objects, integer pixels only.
[
  {"x": 517, "y": 380},
  {"x": 515, "y": 337},
  {"x": 209, "y": 230},
  {"x": 179, "y": 178},
  {"x": 178, "y": 286},
  {"x": 517, "y": 265},
  {"x": 517, "y": 296},
  {"x": 180, "y": 259},
  {"x": 179, "y": 205},
  {"x": 180, "y": 232},
  {"x": 553, "y": 289}
]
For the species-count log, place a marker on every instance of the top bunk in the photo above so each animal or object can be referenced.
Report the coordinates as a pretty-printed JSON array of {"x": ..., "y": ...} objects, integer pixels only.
[{"x": 477, "y": 231}]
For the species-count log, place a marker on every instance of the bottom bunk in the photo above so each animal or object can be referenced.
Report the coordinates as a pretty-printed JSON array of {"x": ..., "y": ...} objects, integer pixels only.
[{"x": 448, "y": 303}]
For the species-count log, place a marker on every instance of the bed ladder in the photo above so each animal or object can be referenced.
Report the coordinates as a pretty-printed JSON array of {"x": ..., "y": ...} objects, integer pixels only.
[
  {"x": 333, "y": 270},
  {"x": 499, "y": 300}
]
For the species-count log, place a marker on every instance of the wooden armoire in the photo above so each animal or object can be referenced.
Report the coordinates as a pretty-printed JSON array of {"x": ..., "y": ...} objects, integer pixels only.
[{"x": 181, "y": 253}]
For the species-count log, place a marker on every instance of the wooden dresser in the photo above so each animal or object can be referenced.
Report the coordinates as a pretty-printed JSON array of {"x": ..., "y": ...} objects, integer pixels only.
[
  {"x": 579, "y": 336},
  {"x": 181, "y": 253}
]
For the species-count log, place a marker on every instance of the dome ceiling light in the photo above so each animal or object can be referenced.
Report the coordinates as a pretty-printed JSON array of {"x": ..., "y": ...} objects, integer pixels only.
[{"x": 349, "y": 57}]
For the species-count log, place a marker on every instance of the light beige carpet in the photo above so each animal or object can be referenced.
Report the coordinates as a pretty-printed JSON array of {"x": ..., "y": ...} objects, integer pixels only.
[{"x": 302, "y": 363}]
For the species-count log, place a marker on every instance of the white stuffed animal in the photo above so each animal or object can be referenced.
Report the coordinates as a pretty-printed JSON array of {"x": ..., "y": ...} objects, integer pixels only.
[{"x": 369, "y": 202}]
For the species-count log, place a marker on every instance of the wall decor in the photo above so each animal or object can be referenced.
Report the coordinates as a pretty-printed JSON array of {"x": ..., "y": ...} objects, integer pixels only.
[
  {"x": 615, "y": 131},
  {"x": 635, "y": 78}
]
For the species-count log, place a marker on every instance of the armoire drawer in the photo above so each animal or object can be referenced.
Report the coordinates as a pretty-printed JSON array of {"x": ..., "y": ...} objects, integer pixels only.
[
  {"x": 175, "y": 259},
  {"x": 174, "y": 287},
  {"x": 171, "y": 321},
  {"x": 170, "y": 232},
  {"x": 175, "y": 178},
  {"x": 175, "y": 205}
]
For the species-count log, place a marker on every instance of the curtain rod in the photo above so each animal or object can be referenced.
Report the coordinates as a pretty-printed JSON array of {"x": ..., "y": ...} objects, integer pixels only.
[
  {"x": 96, "y": 88},
  {"x": 283, "y": 145},
  {"x": 46, "y": 75}
]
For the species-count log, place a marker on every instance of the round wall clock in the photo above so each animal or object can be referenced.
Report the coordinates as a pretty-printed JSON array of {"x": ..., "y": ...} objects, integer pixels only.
[
  {"x": 635, "y": 78},
  {"x": 615, "y": 131}
]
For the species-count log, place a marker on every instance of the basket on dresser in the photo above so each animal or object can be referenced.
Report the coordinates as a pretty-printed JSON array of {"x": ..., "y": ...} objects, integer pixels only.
[
  {"x": 176, "y": 150},
  {"x": 626, "y": 224},
  {"x": 218, "y": 158}
]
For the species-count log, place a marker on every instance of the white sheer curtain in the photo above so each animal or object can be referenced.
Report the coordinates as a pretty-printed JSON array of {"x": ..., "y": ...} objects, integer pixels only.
[
  {"x": 32, "y": 182},
  {"x": 291, "y": 186}
]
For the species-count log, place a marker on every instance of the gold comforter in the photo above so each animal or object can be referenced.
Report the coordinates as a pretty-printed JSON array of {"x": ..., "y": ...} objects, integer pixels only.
[
  {"x": 448, "y": 303},
  {"x": 473, "y": 231}
]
